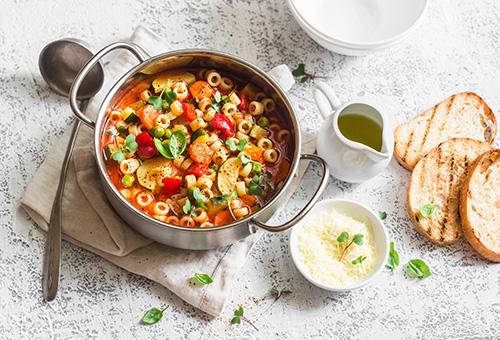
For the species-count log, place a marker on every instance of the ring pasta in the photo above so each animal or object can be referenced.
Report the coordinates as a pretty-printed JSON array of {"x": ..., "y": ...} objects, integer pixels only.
[{"x": 203, "y": 157}]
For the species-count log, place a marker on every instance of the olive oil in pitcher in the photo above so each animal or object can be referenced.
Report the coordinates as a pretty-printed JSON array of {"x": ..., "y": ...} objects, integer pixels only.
[{"x": 361, "y": 129}]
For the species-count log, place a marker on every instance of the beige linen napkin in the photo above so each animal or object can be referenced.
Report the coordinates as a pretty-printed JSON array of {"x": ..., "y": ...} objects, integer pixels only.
[{"x": 90, "y": 222}]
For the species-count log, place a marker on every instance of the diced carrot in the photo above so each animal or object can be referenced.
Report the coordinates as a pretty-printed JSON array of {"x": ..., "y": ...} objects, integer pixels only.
[
  {"x": 223, "y": 217},
  {"x": 148, "y": 116},
  {"x": 248, "y": 199},
  {"x": 200, "y": 153},
  {"x": 200, "y": 90},
  {"x": 255, "y": 152}
]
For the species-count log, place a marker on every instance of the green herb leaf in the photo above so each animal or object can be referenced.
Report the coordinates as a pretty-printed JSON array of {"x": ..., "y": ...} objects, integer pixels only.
[
  {"x": 127, "y": 152},
  {"x": 304, "y": 79},
  {"x": 203, "y": 278},
  {"x": 231, "y": 144},
  {"x": 299, "y": 71},
  {"x": 217, "y": 96},
  {"x": 201, "y": 204},
  {"x": 254, "y": 187},
  {"x": 170, "y": 97},
  {"x": 360, "y": 259},
  {"x": 177, "y": 143},
  {"x": 241, "y": 145},
  {"x": 119, "y": 156},
  {"x": 275, "y": 291},
  {"x": 358, "y": 239},
  {"x": 194, "y": 212},
  {"x": 112, "y": 131},
  {"x": 286, "y": 291},
  {"x": 428, "y": 209},
  {"x": 383, "y": 215},
  {"x": 187, "y": 207},
  {"x": 156, "y": 100},
  {"x": 193, "y": 102},
  {"x": 239, "y": 311},
  {"x": 131, "y": 143},
  {"x": 163, "y": 149},
  {"x": 245, "y": 160},
  {"x": 233, "y": 194},
  {"x": 153, "y": 316},
  {"x": 393, "y": 261},
  {"x": 343, "y": 237},
  {"x": 419, "y": 268},
  {"x": 236, "y": 319},
  {"x": 122, "y": 128},
  {"x": 197, "y": 195}
]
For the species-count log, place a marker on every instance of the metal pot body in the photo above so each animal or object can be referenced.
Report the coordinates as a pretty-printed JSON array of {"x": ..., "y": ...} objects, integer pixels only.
[{"x": 178, "y": 236}]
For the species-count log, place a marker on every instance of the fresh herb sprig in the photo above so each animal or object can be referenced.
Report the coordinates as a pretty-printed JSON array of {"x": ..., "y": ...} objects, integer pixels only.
[
  {"x": 127, "y": 149},
  {"x": 157, "y": 101},
  {"x": 153, "y": 316},
  {"x": 278, "y": 294},
  {"x": 419, "y": 268},
  {"x": 300, "y": 71},
  {"x": 218, "y": 101},
  {"x": 176, "y": 145},
  {"x": 254, "y": 188},
  {"x": 240, "y": 146},
  {"x": 359, "y": 260},
  {"x": 203, "y": 278},
  {"x": 393, "y": 261},
  {"x": 344, "y": 236},
  {"x": 238, "y": 316},
  {"x": 199, "y": 199}
]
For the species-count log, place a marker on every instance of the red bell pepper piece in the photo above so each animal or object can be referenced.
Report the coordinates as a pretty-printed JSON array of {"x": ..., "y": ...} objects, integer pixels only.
[
  {"x": 189, "y": 111},
  {"x": 243, "y": 106},
  {"x": 171, "y": 185},
  {"x": 146, "y": 146},
  {"x": 223, "y": 124},
  {"x": 187, "y": 98},
  {"x": 198, "y": 169}
]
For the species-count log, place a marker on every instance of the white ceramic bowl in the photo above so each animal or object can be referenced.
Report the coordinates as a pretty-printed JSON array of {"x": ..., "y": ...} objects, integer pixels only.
[
  {"x": 358, "y": 27},
  {"x": 357, "y": 211}
]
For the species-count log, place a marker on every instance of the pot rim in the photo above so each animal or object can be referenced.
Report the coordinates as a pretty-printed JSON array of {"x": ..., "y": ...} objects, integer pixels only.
[{"x": 205, "y": 53}]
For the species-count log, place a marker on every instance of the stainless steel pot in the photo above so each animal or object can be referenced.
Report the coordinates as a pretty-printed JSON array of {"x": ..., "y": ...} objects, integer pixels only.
[{"x": 185, "y": 237}]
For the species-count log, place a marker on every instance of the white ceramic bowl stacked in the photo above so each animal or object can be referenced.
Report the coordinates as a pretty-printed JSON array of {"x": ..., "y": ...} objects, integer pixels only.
[{"x": 358, "y": 27}]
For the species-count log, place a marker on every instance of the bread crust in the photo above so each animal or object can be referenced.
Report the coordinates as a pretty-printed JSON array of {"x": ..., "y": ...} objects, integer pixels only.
[
  {"x": 438, "y": 178},
  {"x": 473, "y": 231},
  {"x": 412, "y": 140}
]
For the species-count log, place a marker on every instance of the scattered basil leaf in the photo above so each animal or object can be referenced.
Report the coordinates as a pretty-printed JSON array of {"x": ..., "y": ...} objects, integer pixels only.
[
  {"x": 428, "y": 209},
  {"x": 119, "y": 156},
  {"x": 343, "y": 237},
  {"x": 359, "y": 260},
  {"x": 170, "y": 97},
  {"x": 304, "y": 79},
  {"x": 163, "y": 149},
  {"x": 393, "y": 261},
  {"x": 187, "y": 207},
  {"x": 153, "y": 316},
  {"x": 177, "y": 143},
  {"x": 112, "y": 131},
  {"x": 203, "y": 278},
  {"x": 275, "y": 291},
  {"x": 299, "y": 71},
  {"x": 419, "y": 268},
  {"x": 157, "y": 100},
  {"x": 358, "y": 239},
  {"x": 383, "y": 215}
]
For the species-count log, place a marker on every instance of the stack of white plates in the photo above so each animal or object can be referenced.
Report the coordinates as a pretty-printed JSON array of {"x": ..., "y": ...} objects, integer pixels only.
[{"x": 358, "y": 27}]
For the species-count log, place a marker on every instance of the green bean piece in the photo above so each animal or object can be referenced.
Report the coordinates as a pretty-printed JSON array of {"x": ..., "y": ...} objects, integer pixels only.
[
  {"x": 168, "y": 133},
  {"x": 263, "y": 122},
  {"x": 157, "y": 132},
  {"x": 128, "y": 180}
]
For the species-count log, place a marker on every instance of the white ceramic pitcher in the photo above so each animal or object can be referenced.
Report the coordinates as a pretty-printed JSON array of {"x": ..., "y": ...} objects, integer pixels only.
[{"x": 348, "y": 160}]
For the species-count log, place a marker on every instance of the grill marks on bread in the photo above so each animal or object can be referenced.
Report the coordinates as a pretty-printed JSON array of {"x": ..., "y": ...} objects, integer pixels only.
[
  {"x": 462, "y": 115},
  {"x": 437, "y": 179}
]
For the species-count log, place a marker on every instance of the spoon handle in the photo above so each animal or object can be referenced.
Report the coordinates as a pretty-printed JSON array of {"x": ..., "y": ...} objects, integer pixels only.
[{"x": 52, "y": 263}]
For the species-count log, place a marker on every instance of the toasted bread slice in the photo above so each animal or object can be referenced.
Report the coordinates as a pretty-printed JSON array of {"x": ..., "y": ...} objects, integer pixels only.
[
  {"x": 480, "y": 206},
  {"x": 438, "y": 178},
  {"x": 462, "y": 115}
]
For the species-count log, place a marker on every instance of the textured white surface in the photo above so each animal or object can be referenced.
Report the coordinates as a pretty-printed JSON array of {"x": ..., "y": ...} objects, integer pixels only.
[{"x": 456, "y": 49}]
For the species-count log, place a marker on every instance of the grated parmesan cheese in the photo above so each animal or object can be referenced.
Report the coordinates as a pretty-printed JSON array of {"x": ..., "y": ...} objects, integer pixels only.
[{"x": 320, "y": 251}]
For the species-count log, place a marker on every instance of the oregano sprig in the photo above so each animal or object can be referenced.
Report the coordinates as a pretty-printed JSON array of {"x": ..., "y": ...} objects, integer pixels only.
[{"x": 344, "y": 236}]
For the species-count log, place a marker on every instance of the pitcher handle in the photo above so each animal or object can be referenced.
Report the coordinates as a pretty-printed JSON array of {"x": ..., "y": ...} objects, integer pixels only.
[
  {"x": 326, "y": 99},
  {"x": 86, "y": 69}
]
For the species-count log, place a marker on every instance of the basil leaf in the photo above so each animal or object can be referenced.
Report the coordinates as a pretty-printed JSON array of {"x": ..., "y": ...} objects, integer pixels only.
[
  {"x": 217, "y": 96},
  {"x": 393, "y": 261},
  {"x": 236, "y": 319},
  {"x": 112, "y": 131},
  {"x": 239, "y": 311},
  {"x": 419, "y": 268},
  {"x": 231, "y": 145},
  {"x": 275, "y": 291},
  {"x": 187, "y": 207},
  {"x": 382, "y": 214},
  {"x": 299, "y": 71},
  {"x": 119, "y": 156},
  {"x": 153, "y": 316},
  {"x": 177, "y": 143},
  {"x": 304, "y": 79},
  {"x": 428, "y": 209},
  {"x": 203, "y": 278},
  {"x": 343, "y": 237},
  {"x": 163, "y": 149},
  {"x": 170, "y": 97}
]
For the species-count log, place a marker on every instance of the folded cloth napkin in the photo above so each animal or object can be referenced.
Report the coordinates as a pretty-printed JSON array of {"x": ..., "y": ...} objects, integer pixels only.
[{"x": 90, "y": 222}]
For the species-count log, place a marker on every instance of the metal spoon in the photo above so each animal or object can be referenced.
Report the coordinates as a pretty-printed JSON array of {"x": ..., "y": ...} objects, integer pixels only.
[{"x": 59, "y": 63}]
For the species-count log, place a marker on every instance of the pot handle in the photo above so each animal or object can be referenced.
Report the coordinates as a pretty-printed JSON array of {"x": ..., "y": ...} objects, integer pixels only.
[
  {"x": 86, "y": 69},
  {"x": 309, "y": 205},
  {"x": 326, "y": 99}
]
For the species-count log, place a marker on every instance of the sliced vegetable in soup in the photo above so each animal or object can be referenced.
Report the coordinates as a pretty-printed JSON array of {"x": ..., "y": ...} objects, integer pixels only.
[{"x": 191, "y": 149}]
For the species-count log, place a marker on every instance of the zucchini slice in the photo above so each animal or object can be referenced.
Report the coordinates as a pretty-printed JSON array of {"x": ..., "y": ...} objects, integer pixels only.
[
  {"x": 169, "y": 79},
  {"x": 227, "y": 175},
  {"x": 153, "y": 169},
  {"x": 216, "y": 204},
  {"x": 129, "y": 116},
  {"x": 257, "y": 131},
  {"x": 109, "y": 150},
  {"x": 199, "y": 136}
]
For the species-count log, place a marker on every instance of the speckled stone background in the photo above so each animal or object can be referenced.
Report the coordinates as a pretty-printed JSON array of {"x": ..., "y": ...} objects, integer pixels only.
[{"x": 456, "y": 49}]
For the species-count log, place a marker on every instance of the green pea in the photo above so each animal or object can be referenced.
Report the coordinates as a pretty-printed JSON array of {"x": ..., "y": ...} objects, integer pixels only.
[
  {"x": 168, "y": 133},
  {"x": 128, "y": 180},
  {"x": 256, "y": 168},
  {"x": 157, "y": 132},
  {"x": 263, "y": 122}
]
